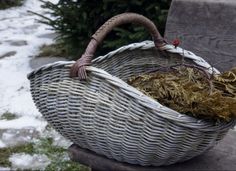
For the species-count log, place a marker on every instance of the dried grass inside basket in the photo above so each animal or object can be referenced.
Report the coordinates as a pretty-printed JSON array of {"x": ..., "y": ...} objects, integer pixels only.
[{"x": 190, "y": 90}]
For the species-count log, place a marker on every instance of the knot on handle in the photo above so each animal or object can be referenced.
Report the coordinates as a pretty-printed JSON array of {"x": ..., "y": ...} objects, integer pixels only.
[{"x": 79, "y": 67}]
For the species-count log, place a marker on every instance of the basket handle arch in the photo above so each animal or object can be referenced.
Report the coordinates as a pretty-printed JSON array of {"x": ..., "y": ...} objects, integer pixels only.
[{"x": 79, "y": 67}]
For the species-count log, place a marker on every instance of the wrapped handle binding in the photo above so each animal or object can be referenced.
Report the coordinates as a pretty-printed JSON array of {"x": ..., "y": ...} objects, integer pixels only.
[{"x": 79, "y": 68}]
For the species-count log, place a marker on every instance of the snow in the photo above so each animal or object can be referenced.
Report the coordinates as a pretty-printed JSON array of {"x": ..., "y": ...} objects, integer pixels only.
[
  {"x": 27, "y": 161},
  {"x": 58, "y": 140},
  {"x": 12, "y": 137},
  {"x": 4, "y": 169},
  {"x": 21, "y": 35},
  {"x": 23, "y": 122},
  {"x": 2, "y": 145},
  {"x": 17, "y": 24}
]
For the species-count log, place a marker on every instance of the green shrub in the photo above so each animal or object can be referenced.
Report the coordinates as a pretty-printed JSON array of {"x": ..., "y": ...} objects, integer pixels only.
[
  {"x": 77, "y": 20},
  {"x": 10, "y": 3}
]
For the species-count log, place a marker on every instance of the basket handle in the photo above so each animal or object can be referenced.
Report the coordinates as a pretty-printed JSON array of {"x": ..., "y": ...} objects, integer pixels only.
[{"x": 78, "y": 69}]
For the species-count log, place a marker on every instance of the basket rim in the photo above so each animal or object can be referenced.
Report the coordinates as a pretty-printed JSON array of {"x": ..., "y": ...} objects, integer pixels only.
[{"x": 160, "y": 110}]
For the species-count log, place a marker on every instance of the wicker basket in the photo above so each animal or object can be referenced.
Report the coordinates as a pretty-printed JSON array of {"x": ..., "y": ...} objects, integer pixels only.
[{"x": 103, "y": 113}]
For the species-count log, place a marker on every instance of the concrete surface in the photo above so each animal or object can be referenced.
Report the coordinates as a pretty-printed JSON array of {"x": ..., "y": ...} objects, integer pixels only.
[
  {"x": 205, "y": 27},
  {"x": 222, "y": 157},
  {"x": 37, "y": 62}
]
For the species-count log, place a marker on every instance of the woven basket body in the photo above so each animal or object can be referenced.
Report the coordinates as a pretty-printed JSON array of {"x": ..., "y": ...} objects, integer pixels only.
[{"x": 113, "y": 119}]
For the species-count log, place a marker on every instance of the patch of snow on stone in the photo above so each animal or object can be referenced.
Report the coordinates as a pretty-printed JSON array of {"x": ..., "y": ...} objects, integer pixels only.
[
  {"x": 23, "y": 122},
  {"x": 4, "y": 169},
  {"x": 58, "y": 139},
  {"x": 12, "y": 137},
  {"x": 27, "y": 161},
  {"x": 2, "y": 145}
]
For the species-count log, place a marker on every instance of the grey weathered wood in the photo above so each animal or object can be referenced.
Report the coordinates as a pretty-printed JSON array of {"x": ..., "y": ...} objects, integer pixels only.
[
  {"x": 222, "y": 157},
  {"x": 205, "y": 27}
]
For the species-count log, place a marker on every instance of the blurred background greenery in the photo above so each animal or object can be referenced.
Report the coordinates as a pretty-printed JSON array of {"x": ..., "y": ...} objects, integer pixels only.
[
  {"x": 75, "y": 21},
  {"x": 4, "y": 4}
]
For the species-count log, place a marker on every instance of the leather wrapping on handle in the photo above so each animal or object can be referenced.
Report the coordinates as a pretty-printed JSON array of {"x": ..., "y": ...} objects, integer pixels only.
[
  {"x": 124, "y": 19},
  {"x": 79, "y": 68}
]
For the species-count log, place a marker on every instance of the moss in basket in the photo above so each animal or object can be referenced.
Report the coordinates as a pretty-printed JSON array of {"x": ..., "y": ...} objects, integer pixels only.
[{"x": 192, "y": 91}]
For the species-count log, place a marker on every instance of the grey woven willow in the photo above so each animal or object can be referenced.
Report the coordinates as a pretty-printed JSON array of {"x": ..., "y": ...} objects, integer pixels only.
[{"x": 106, "y": 115}]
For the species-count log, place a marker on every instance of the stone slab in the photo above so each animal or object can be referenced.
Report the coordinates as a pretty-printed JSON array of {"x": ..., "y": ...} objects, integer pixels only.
[
  {"x": 7, "y": 54},
  {"x": 37, "y": 62},
  {"x": 19, "y": 43},
  {"x": 221, "y": 157},
  {"x": 205, "y": 27}
]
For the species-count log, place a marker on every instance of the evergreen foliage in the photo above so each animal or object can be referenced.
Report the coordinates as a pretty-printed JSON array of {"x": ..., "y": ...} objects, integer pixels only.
[
  {"x": 77, "y": 20},
  {"x": 4, "y": 4}
]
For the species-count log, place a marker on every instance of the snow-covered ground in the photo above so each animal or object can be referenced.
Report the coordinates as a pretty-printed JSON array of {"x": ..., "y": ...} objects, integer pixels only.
[
  {"x": 20, "y": 39},
  {"x": 21, "y": 35}
]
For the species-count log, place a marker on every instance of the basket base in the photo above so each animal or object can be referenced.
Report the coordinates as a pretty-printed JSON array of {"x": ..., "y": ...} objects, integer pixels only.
[
  {"x": 221, "y": 157},
  {"x": 101, "y": 163}
]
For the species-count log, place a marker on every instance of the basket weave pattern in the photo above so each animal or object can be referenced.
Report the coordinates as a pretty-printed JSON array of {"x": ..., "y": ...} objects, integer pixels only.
[{"x": 106, "y": 115}]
